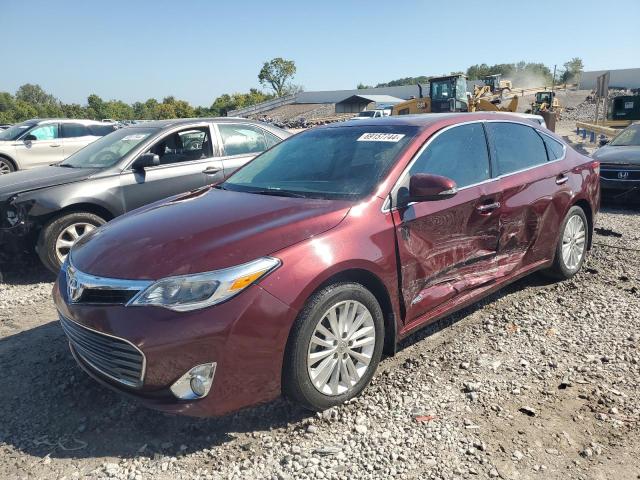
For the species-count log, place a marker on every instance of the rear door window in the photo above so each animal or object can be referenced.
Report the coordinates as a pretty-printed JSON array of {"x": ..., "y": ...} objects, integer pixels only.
[
  {"x": 459, "y": 153},
  {"x": 242, "y": 139},
  {"x": 516, "y": 147},
  {"x": 72, "y": 130}
]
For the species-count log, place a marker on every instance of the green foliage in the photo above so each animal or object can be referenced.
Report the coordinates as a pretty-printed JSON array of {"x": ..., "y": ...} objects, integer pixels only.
[
  {"x": 572, "y": 70},
  {"x": 31, "y": 101},
  {"x": 405, "y": 81},
  {"x": 276, "y": 73}
]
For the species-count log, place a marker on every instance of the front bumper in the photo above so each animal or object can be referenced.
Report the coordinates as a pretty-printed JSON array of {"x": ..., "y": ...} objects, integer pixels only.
[{"x": 246, "y": 336}]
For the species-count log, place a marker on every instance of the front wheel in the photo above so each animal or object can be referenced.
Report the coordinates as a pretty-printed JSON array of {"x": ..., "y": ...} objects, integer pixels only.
[
  {"x": 334, "y": 347},
  {"x": 6, "y": 166},
  {"x": 59, "y": 235},
  {"x": 571, "y": 249}
]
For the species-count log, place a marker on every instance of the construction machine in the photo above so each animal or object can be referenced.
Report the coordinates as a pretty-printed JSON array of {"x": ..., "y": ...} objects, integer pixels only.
[
  {"x": 545, "y": 101},
  {"x": 496, "y": 85},
  {"x": 446, "y": 94},
  {"x": 449, "y": 94}
]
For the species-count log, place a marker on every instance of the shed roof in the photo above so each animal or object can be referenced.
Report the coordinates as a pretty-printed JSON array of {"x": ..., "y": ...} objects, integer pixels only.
[{"x": 372, "y": 98}]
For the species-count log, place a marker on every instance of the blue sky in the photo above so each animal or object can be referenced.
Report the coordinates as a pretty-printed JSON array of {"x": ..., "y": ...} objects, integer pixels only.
[{"x": 196, "y": 50}]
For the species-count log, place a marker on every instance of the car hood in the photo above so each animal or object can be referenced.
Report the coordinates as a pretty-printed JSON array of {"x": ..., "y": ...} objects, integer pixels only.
[
  {"x": 200, "y": 231},
  {"x": 613, "y": 154},
  {"x": 41, "y": 177}
]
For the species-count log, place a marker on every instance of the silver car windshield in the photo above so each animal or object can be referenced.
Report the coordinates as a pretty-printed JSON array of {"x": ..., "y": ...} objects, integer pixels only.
[
  {"x": 628, "y": 137},
  {"x": 110, "y": 149}
]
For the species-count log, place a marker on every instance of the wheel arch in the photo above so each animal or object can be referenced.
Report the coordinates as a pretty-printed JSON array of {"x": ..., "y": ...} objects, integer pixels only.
[
  {"x": 16, "y": 167},
  {"x": 376, "y": 286},
  {"x": 87, "y": 207},
  {"x": 588, "y": 211}
]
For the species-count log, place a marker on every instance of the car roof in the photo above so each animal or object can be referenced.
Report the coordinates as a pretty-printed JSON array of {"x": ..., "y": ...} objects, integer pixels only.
[
  {"x": 83, "y": 121},
  {"x": 184, "y": 121},
  {"x": 424, "y": 120}
]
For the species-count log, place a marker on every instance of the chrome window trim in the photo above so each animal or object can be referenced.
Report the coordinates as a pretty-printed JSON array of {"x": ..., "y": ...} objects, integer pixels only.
[
  {"x": 143, "y": 370},
  {"x": 385, "y": 206}
]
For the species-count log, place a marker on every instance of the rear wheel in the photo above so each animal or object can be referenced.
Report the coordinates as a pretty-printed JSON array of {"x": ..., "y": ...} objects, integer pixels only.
[
  {"x": 572, "y": 244},
  {"x": 61, "y": 233},
  {"x": 6, "y": 166},
  {"x": 334, "y": 347}
]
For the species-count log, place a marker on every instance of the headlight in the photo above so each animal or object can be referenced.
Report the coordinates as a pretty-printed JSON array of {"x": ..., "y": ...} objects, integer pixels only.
[{"x": 191, "y": 292}]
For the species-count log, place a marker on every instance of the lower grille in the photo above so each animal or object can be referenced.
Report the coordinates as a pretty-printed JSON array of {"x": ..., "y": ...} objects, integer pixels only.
[{"x": 113, "y": 357}]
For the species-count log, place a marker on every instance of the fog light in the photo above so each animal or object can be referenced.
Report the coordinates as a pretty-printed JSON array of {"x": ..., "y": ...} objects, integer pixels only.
[{"x": 196, "y": 383}]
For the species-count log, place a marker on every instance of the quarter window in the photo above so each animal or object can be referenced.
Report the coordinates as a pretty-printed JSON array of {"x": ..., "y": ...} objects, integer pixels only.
[
  {"x": 242, "y": 139},
  {"x": 516, "y": 147},
  {"x": 555, "y": 149},
  {"x": 459, "y": 153},
  {"x": 71, "y": 130},
  {"x": 45, "y": 132},
  {"x": 271, "y": 139}
]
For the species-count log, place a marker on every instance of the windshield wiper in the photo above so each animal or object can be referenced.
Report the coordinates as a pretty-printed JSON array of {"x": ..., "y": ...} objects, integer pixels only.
[
  {"x": 63, "y": 165},
  {"x": 277, "y": 193}
]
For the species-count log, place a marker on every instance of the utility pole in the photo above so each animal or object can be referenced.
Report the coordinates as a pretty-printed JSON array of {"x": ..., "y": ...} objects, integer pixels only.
[{"x": 553, "y": 80}]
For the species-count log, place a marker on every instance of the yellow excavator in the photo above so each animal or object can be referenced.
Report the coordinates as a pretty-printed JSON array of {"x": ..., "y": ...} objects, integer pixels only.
[
  {"x": 545, "y": 101},
  {"x": 450, "y": 94}
]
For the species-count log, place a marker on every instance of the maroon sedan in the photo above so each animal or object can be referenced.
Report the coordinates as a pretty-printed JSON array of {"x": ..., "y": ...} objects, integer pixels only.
[{"x": 296, "y": 273}]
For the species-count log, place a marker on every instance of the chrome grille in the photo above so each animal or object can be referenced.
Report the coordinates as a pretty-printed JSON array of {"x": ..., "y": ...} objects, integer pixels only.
[{"x": 113, "y": 357}]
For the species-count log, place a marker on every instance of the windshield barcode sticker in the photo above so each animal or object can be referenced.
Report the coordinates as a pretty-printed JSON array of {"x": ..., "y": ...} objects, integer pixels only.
[{"x": 380, "y": 137}]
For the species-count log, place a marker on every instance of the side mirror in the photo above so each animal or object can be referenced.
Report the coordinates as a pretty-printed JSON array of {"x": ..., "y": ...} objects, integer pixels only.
[
  {"x": 146, "y": 160},
  {"x": 424, "y": 187},
  {"x": 604, "y": 141},
  {"x": 30, "y": 138}
]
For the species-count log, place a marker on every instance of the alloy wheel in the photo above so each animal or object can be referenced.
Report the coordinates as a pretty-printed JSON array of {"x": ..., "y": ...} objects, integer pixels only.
[
  {"x": 5, "y": 167},
  {"x": 574, "y": 242},
  {"x": 341, "y": 348},
  {"x": 69, "y": 236}
]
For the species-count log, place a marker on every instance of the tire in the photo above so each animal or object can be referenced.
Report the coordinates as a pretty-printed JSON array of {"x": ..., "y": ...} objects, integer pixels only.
[
  {"x": 59, "y": 234},
  {"x": 6, "y": 166},
  {"x": 574, "y": 231},
  {"x": 349, "y": 375}
]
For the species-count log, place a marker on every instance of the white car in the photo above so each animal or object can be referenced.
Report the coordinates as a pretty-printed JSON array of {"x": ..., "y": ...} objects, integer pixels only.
[
  {"x": 368, "y": 114},
  {"x": 40, "y": 142}
]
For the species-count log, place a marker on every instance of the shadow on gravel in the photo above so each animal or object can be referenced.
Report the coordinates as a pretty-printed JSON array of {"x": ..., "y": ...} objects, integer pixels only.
[
  {"x": 534, "y": 280},
  {"x": 24, "y": 270},
  {"x": 49, "y": 406}
]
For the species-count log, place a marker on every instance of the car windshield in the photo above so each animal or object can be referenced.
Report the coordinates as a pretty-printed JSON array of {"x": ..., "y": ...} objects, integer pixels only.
[
  {"x": 12, "y": 133},
  {"x": 328, "y": 163},
  {"x": 630, "y": 136},
  {"x": 110, "y": 149}
]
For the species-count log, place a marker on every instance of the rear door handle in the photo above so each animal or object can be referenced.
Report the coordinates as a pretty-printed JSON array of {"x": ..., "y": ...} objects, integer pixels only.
[
  {"x": 488, "y": 207},
  {"x": 562, "y": 178},
  {"x": 211, "y": 170}
]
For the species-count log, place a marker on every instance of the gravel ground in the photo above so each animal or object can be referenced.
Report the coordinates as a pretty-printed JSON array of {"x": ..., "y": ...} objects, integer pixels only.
[{"x": 540, "y": 380}]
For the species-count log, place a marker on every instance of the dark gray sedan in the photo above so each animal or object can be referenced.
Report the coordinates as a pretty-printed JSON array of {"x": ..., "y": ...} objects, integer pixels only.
[
  {"x": 51, "y": 207},
  {"x": 620, "y": 162}
]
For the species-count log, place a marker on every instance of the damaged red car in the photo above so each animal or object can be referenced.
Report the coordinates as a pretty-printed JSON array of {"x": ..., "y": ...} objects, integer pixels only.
[{"x": 296, "y": 274}]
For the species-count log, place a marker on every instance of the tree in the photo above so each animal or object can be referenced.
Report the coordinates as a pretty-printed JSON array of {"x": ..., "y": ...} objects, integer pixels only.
[
  {"x": 276, "y": 73},
  {"x": 572, "y": 70},
  {"x": 95, "y": 107},
  {"x": 34, "y": 94}
]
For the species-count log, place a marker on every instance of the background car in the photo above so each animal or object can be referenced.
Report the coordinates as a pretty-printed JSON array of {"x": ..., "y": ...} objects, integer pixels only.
[
  {"x": 620, "y": 162},
  {"x": 36, "y": 143},
  {"x": 49, "y": 208},
  {"x": 293, "y": 274}
]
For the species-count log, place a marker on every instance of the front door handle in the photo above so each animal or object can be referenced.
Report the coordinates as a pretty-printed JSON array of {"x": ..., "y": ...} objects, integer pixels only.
[
  {"x": 561, "y": 179},
  {"x": 488, "y": 207},
  {"x": 211, "y": 170},
  {"x": 55, "y": 145}
]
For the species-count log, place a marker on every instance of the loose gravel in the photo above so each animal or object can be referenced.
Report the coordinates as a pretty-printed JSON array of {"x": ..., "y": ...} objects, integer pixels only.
[{"x": 541, "y": 380}]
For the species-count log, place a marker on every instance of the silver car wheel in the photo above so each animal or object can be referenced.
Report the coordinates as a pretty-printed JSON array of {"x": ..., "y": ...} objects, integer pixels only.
[
  {"x": 341, "y": 348},
  {"x": 574, "y": 242},
  {"x": 5, "y": 166},
  {"x": 69, "y": 236}
]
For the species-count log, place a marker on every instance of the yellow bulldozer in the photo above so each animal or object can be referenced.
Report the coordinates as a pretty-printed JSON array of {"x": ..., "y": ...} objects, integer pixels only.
[{"x": 450, "y": 94}]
